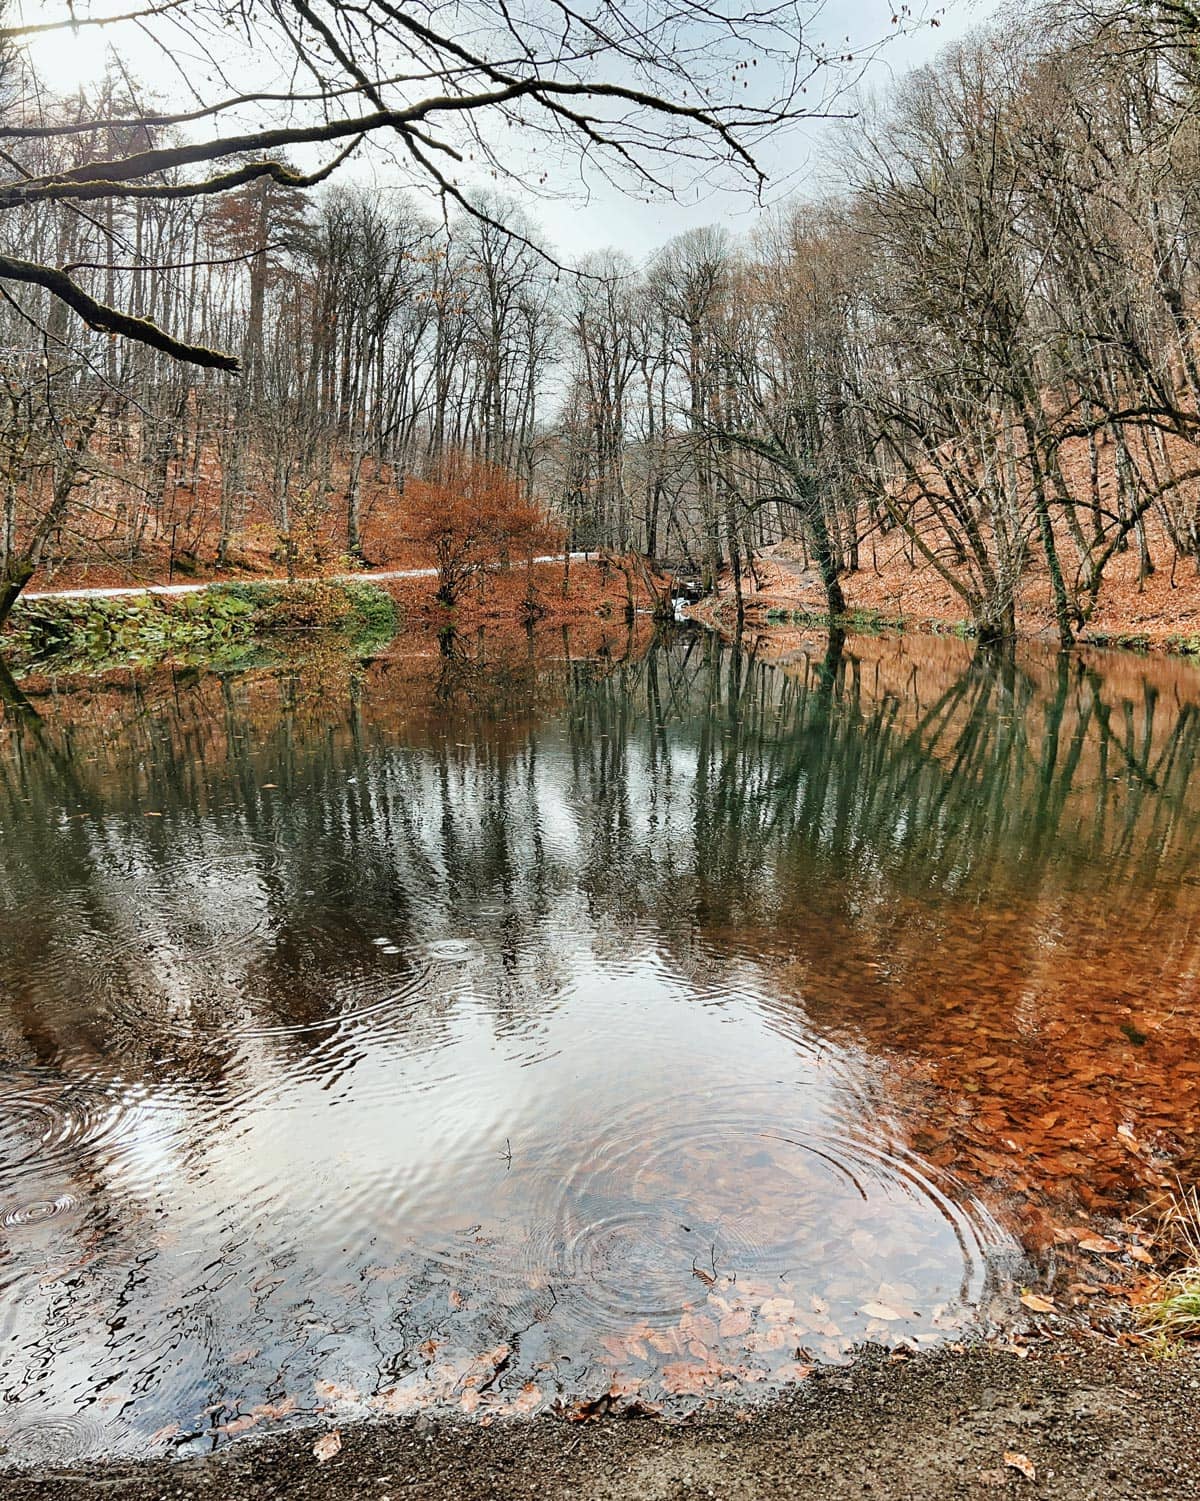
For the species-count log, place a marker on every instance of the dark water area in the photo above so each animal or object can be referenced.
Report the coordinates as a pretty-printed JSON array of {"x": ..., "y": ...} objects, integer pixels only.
[{"x": 495, "y": 1028}]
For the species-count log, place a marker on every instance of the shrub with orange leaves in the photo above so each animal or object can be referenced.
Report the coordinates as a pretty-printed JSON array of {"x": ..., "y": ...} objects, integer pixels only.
[{"x": 468, "y": 515}]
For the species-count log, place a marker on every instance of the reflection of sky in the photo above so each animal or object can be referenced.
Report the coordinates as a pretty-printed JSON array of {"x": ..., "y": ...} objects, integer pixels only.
[
  {"x": 536, "y": 1091},
  {"x": 304, "y": 1219},
  {"x": 590, "y": 214},
  {"x": 412, "y": 1015}
]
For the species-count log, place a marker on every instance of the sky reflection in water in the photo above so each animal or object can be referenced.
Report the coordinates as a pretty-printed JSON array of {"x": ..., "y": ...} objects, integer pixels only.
[{"x": 468, "y": 1031}]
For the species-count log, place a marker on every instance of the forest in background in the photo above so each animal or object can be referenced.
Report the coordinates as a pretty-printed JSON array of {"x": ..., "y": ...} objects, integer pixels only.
[{"x": 978, "y": 359}]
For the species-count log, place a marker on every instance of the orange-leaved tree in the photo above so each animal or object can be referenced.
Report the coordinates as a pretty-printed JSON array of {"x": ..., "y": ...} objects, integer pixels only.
[{"x": 468, "y": 514}]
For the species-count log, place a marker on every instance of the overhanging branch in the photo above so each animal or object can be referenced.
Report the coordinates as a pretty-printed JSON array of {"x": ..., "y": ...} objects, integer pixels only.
[{"x": 100, "y": 316}]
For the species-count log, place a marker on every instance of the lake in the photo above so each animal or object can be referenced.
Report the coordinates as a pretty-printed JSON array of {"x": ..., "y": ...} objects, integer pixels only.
[{"x": 488, "y": 1028}]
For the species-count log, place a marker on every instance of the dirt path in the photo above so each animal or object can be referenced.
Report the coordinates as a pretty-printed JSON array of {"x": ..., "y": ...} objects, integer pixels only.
[
  {"x": 1094, "y": 1423},
  {"x": 134, "y": 591}
]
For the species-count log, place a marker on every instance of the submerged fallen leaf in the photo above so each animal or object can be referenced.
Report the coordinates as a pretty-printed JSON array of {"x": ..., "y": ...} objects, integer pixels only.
[
  {"x": 333, "y": 1391},
  {"x": 885, "y": 1311},
  {"x": 1021, "y": 1462},
  {"x": 527, "y": 1400},
  {"x": 328, "y": 1446},
  {"x": 777, "y": 1310},
  {"x": 683, "y": 1379},
  {"x": 734, "y": 1323},
  {"x": 264, "y": 1412}
]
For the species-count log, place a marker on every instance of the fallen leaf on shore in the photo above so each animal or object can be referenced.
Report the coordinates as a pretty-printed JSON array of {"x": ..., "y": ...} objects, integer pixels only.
[
  {"x": 1021, "y": 1462},
  {"x": 1099, "y": 1245},
  {"x": 328, "y": 1446},
  {"x": 1037, "y": 1304}
]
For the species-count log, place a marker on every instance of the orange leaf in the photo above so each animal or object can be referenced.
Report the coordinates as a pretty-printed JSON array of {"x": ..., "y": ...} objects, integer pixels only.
[
  {"x": 328, "y": 1446},
  {"x": 884, "y": 1311},
  {"x": 1022, "y": 1462},
  {"x": 733, "y": 1324}
]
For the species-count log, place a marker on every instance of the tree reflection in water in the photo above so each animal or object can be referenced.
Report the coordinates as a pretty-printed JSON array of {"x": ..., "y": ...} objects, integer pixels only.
[{"x": 483, "y": 1025}]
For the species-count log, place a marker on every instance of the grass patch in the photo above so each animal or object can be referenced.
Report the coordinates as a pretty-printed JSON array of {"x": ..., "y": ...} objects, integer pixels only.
[
  {"x": 225, "y": 625},
  {"x": 1177, "y": 1312},
  {"x": 1173, "y": 1313}
]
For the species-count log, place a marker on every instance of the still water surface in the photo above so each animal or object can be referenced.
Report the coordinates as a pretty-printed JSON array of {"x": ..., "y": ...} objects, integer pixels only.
[{"x": 489, "y": 1030}]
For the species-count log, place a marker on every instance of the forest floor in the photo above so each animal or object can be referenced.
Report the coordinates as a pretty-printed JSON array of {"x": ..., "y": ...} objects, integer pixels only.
[
  {"x": 1067, "y": 1423},
  {"x": 1159, "y": 612}
]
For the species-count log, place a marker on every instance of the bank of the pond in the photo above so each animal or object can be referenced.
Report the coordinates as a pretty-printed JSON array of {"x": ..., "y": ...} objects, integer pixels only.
[
  {"x": 1159, "y": 613},
  {"x": 1066, "y": 1423},
  {"x": 226, "y": 624},
  {"x": 235, "y": 624}
]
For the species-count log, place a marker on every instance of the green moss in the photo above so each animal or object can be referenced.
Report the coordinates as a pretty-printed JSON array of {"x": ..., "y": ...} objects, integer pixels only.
[
  {"x": 223, "y": 625},
  {"x": 373, "y": 611}
]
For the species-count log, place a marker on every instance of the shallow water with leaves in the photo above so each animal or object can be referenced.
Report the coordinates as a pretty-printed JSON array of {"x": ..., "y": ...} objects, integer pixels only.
[{"x": 494, "y": 1030}]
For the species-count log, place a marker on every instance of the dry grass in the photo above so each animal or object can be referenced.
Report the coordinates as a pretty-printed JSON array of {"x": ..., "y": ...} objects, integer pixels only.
[{"x": 1175, "y": 1310}]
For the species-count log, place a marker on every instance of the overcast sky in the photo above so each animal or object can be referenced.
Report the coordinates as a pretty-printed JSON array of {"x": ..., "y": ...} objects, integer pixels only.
[
  {"x": 794, "y": 160},
  {"x": 596, "y": 215}
]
